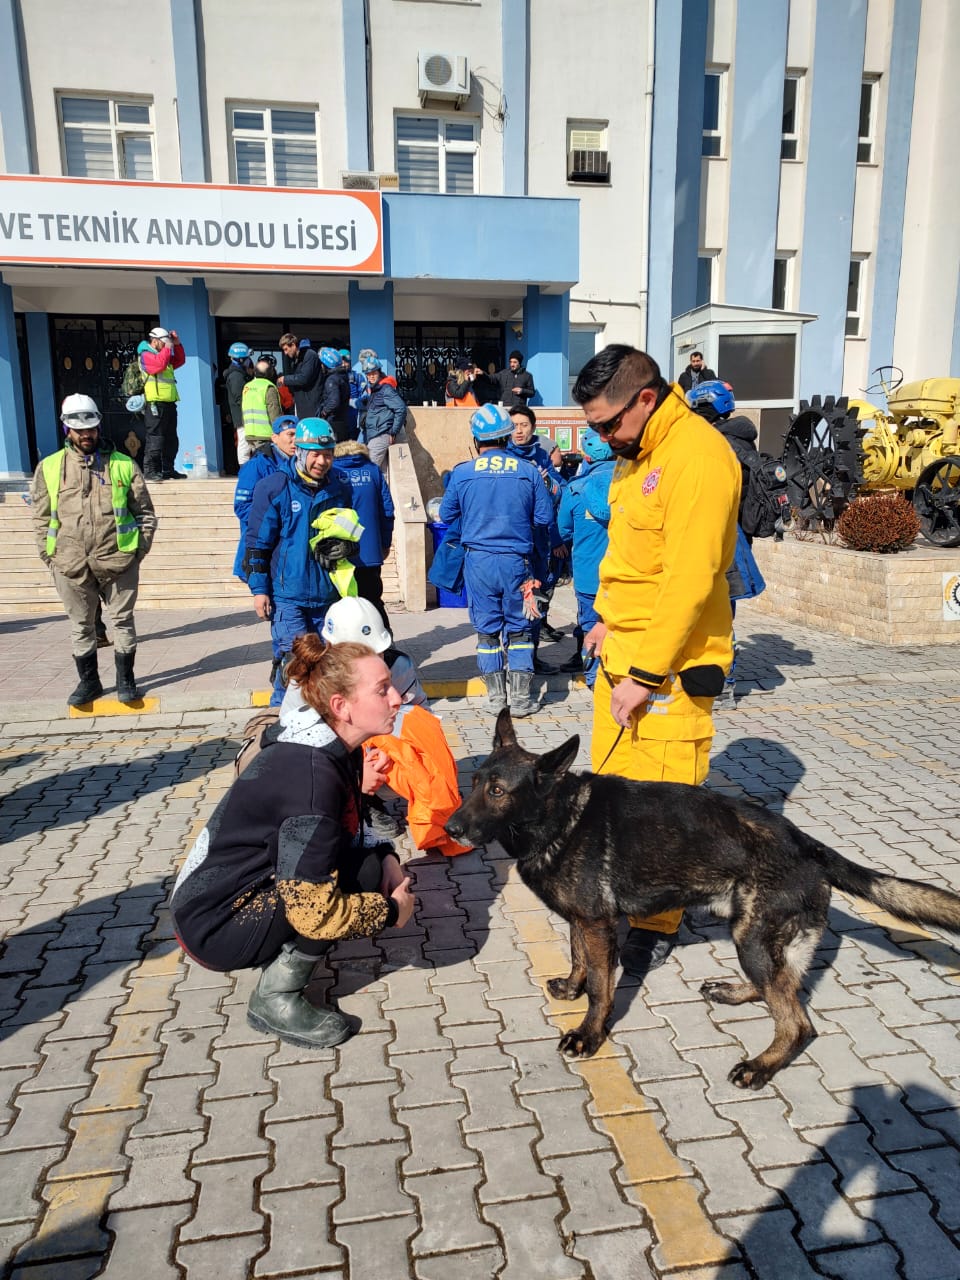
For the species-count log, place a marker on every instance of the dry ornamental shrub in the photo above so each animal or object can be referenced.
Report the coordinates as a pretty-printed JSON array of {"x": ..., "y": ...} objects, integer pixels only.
[{"x": 879, "y": 522}]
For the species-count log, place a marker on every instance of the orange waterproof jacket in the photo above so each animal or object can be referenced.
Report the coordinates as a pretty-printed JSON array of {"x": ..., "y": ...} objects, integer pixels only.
[{"x": 423, "y": 771}]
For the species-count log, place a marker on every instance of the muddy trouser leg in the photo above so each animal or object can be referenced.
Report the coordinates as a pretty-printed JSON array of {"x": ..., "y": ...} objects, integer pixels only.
[
  {"x": 645, "y": 760},
  {"x": 80, "y": 597},
  {"x": 254, "y": 935},
  {"x": 120, "y": 597}
]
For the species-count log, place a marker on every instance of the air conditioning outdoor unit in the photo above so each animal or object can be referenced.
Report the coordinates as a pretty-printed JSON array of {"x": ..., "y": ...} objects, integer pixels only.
[
  {"x": 357, "y": 180},
  {"x": 443, "y": 75},
  {"x": 588, "y": 166}
]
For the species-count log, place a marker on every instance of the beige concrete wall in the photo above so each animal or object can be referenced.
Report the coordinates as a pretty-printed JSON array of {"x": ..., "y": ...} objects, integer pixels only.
[{"x": 886, "y": 599}]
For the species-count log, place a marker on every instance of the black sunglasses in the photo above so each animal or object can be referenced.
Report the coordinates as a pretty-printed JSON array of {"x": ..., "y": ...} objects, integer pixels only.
[{"x": 609, "y": 427}]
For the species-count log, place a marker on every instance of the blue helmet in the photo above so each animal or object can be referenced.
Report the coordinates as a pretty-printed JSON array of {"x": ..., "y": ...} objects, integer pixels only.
[
  {"x": 330, "y": 357},
  {"x": 313, "y": 434},
  {"x": 715, "y": 395},
  {"x": 490, "y": 422},
  {"x": 344, "y": 353},
  {"x": 371, "y": 362},
  {"x": 594, "y": 448},
  {"x": 238, "y": 351}
]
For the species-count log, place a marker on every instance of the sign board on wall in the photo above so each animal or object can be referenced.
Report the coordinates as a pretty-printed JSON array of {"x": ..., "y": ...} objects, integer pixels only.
[
  {"x": 199, "y": 227},
  {"x": 564, "y": 428},
  {"x": 951, "y": 597}
]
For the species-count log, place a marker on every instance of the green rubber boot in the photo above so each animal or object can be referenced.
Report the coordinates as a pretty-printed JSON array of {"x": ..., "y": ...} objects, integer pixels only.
[{"x": 278, "y": 1006}]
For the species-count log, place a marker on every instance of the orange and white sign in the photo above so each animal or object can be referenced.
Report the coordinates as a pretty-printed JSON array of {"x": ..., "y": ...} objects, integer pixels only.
[{"x": 197, "y": 227}]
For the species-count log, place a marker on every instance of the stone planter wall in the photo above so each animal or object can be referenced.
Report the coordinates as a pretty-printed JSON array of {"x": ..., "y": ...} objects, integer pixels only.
[{"x": 887, "y": 599}]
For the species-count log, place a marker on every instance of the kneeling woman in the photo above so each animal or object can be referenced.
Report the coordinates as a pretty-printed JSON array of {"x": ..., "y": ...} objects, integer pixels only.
[{"x": 280, "y": 872}]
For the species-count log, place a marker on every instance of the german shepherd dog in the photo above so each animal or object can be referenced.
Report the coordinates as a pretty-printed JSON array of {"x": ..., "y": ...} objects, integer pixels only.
[{"x": 594, "y": 847}]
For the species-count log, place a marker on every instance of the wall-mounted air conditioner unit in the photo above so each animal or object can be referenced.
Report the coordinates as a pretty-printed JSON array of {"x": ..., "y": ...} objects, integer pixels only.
[
  {"x": 588, "y": 166},
  {"x": 358, "y": 180},
  {"x": 443, "y": 75}
]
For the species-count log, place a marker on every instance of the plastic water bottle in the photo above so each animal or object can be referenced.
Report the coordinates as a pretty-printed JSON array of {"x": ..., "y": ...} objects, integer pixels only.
[
  {"x": 200, "y": 464},
  {"x": 188, "y": 464}
]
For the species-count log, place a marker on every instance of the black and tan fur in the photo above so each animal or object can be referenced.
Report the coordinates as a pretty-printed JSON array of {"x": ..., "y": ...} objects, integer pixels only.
[{"x": 595, "y": 847}]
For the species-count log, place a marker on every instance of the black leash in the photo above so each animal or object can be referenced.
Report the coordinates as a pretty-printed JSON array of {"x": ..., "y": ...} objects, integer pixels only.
[{"x": 616, "y": 741}]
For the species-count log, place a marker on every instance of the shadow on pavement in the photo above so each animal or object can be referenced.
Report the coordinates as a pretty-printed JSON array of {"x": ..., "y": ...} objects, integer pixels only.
[
  {"x": 222, "y": 622},
  {"x": 860, "y": 1188},
  {"x": 760, "y": 657},
  {"x": 222, "y": 660},
  {"x": 11, "y": 626}
]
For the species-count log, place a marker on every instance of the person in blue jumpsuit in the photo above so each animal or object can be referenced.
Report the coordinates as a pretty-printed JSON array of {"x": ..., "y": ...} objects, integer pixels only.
[
  {"x": 502, "y": 507},
  {"x": 288, "y": 584},
  {"x": 550, "y": 550},
  {"x": 583, "y": 520}
]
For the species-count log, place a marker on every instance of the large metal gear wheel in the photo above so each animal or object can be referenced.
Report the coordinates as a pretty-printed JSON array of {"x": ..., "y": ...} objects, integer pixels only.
[
  {"x": 820, "y": 456},
  {"x": 936, "y": 500}
]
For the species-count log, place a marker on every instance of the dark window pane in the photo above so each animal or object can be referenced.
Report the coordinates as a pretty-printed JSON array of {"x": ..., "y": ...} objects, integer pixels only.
[
  {"x": 779, "y": 294},
  {"x": 758, "y": 366},
  {"x": 303, "y": 122},
  {"x": 294, "y": 163},
  {"x": 133, "y": 113},
  {"x": 788, "y": 149},
  {"x": 419, "y": 169},
  {"x": 853, "y": 286},
  {"x": 789, "y": 105},
  {"x": 251, "y": 163},
  {"x": 711, "y": 145},
  {"x": 864, "y": 152},
  {"x": 248, "y": 120},
  {"x": 711, "y": 101},
  {"x": 704, "y": 280},
  {"x": 866, "y": 108}
]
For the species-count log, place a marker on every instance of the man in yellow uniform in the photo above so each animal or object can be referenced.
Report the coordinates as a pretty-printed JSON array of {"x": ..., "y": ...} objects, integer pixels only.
[{"x": 665, "y": 635}]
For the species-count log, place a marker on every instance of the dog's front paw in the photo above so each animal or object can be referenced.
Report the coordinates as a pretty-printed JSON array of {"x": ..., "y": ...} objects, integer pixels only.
[
  {"x": 719, "y": 992},
  {"x": 747, "y": 1075},
  {"x": 564, "y": 989},
  {"x": 580, "y": 1044}
]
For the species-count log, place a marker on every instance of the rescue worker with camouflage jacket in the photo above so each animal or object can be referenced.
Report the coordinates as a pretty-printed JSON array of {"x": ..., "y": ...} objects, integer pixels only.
[{"x": 94, "y": 523}]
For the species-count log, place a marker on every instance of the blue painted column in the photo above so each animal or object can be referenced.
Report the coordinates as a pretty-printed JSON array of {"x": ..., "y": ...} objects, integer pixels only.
[
  {"x": 17, "y": 155},
  {"x": 754, "y": 150},
  {"x": 901, "y": 79},
  {"x": 356, "y": 105},
  {"x": 186, "y": 69},
  {"x": 546, "y": 338},
  {"x": 186, "y": 309},
  {"x": 371, "y": 320},
  {"x": 835, "y": 79},
  {"x": 46, "y": 411},
  {"x": 14, "y": 452},
  {"x": 514, "y": 39},
  {"x": 675, "y": 163}
]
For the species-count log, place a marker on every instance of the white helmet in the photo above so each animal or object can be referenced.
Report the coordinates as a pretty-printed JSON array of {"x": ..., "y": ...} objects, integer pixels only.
[
  {"x": 77, "y": 410},
  {"x": 158, "y": 333},
  {"x": 355, "y": 621}
]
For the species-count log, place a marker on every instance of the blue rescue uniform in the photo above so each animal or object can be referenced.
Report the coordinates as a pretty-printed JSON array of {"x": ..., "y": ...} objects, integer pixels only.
[
  {"x": 503, "y": 508},
  {"x": 279, "y": 561}
]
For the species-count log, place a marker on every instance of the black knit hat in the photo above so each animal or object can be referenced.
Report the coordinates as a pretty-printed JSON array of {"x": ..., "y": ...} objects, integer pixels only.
[{"x": 516, "y": 355}]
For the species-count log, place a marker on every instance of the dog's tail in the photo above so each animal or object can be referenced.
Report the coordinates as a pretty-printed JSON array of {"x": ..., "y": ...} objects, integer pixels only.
[{"x": 909, "y": 899}]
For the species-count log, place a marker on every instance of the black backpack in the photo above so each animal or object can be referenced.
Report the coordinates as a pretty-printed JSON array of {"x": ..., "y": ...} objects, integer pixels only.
[{"x": 765, "y": 503}]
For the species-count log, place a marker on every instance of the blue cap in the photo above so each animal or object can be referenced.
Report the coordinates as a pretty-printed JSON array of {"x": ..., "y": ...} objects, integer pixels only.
[
  {"x": 490, "y": 422},
  {"x": 314, "y": 433},
  {"x": 283, "y": 423},
  {"x": 715, "y": 395}
]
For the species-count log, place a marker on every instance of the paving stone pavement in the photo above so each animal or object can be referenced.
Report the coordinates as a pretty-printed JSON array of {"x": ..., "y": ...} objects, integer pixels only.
[{"x": 146, "y": 1131}]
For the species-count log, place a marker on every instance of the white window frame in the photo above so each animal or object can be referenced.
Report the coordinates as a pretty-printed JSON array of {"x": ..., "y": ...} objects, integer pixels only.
[
  {"x": 267, "y": 136},
  {"x": 114, "y": 128},
  {"x": 442, "y": 144},
  {"x": 788, "y": 260},
  {"x": 792, "y": 140},
  {"x": 720, "y": 132},
  {"x": 868, "y": 141},
  {"x": 601, "y": 128},
  {"x": 855, "y": 314}
]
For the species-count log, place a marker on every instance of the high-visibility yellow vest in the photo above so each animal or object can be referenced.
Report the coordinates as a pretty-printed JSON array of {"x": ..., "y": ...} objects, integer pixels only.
[
  {"x": 120, "y": 468},
  {"x": 160, "y": 386},
  {"x": 256, "y": 420}
]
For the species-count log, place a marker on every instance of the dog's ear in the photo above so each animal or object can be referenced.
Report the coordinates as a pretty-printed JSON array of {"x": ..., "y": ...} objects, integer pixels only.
[
  {"x": 503, "y": 734},
  {"x": 559, "y": 760}
]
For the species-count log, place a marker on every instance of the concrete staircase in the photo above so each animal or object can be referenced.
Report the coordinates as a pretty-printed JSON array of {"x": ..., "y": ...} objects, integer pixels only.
[{"x": 189, "y": 566}]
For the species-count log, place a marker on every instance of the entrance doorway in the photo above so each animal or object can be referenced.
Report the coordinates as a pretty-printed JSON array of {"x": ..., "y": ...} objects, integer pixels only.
[
  {"x": 426, "y": 353},
  {"x": 89, "y": 357}
]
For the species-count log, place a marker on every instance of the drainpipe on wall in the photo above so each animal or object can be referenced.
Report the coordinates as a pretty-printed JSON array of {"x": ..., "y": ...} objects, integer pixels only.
[{"x": 649, "y": 73}]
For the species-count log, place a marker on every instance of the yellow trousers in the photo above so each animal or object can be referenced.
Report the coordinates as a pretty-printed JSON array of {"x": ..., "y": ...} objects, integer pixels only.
[{"x": 644, "y": 760}]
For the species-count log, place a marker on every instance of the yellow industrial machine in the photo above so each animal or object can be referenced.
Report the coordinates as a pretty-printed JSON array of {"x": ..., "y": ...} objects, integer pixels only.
[{"x": 834, "y": 449}]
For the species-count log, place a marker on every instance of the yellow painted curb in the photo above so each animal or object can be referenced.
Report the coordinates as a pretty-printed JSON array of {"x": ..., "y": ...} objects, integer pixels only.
[{"x": 111, "y": 707}]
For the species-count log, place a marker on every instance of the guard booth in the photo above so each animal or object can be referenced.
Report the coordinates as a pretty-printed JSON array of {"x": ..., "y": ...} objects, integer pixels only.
[{"x": 757, "y": 351}]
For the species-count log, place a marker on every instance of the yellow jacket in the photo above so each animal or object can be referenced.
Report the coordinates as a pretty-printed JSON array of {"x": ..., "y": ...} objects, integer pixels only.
[{"x": 663, "y": 593}]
